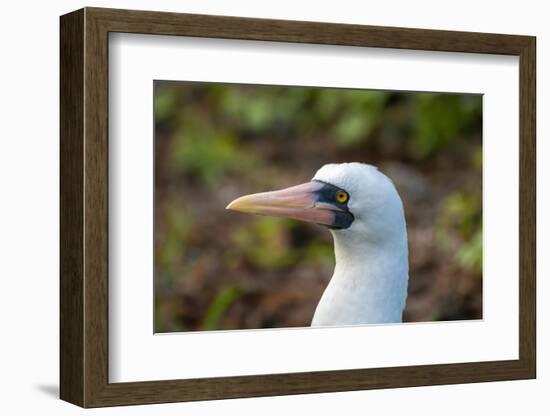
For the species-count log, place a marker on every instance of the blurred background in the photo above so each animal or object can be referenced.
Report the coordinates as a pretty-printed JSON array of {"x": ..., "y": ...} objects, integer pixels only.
[{"x": 216, "y": 269}]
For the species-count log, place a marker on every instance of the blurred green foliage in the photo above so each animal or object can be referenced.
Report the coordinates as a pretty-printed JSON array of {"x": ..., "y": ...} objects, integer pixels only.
[
  {"x": 224, "y": 298},
  {"x": 210, "y": 132},
  {"x": 214, "y": 142},
  {"x": 174, "y": 240},
  {"x": 263, "y": 244},
  {"x": 441, "y": 119},
  {"x": 459, "y": 229}
]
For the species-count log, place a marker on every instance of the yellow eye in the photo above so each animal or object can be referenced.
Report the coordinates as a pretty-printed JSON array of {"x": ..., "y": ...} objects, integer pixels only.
[{"x": 342, "y": 197}]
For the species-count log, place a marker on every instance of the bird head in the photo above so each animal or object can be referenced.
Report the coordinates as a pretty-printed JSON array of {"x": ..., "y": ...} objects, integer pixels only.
[{"x": 349, "y": 198}]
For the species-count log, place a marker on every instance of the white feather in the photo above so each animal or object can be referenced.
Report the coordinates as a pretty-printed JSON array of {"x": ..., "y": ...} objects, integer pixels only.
[{"x": 369, "y": 284}]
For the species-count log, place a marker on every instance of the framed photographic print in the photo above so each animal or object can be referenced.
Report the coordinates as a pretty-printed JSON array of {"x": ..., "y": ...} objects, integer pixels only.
[{"x": 255, "y": 207}]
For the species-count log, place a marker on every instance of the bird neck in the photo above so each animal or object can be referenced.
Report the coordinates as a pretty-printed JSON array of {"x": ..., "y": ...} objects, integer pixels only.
[
  {"x": 369, "y": 284},
  {"x": 355, "y": 251}
]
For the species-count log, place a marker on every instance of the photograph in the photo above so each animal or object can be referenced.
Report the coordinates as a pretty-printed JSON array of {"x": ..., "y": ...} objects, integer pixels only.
[
  {"x": 276, "y": 204},
  {"x": 298, "y": 206}
]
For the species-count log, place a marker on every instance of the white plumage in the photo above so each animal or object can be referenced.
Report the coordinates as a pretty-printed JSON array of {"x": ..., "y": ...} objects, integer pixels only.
[
  {"x": 369, "y": 284},
  {"x": 364, "y": 213}
]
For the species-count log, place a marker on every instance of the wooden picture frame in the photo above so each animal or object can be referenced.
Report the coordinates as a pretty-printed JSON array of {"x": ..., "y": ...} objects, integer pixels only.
[{"x": 84, "y": 207}]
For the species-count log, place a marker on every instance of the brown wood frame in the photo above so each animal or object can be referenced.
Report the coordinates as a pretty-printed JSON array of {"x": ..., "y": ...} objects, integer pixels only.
[{"x": 84, "y": 207}]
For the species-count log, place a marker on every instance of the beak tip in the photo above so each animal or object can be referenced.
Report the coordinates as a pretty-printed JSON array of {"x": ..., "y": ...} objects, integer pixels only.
[{"x": 231, "y": 206}]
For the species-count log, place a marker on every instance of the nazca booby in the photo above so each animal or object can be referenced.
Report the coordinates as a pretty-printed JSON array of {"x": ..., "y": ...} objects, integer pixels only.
[{"x": 364, "y": 213}]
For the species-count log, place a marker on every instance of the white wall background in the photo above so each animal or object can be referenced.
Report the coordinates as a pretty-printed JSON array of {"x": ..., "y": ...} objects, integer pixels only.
[{"x": 29, "y": 160}]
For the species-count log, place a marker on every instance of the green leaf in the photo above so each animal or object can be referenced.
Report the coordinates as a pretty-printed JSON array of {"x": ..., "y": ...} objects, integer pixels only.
[
  {"x": 223, "y": 300},
  {"x": 165, "y": 102},
  {"x": 470, "y": 256},
  {"x": 353, "y": 128}
]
